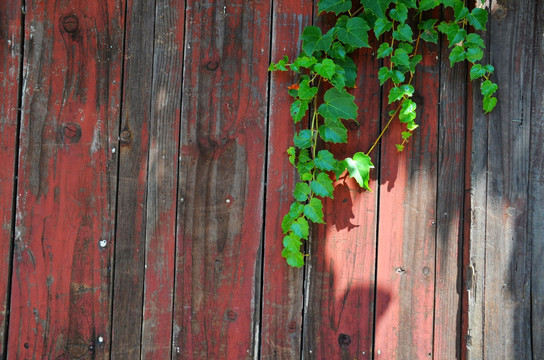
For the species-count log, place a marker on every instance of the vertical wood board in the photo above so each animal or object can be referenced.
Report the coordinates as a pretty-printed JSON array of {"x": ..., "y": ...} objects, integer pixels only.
[{"x": 61, "y": 281}]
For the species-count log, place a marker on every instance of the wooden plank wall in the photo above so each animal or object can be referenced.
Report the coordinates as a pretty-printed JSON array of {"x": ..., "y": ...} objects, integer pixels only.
[
  {"x": 151, "y": 182},
  {"x": 505, "y": 289}
]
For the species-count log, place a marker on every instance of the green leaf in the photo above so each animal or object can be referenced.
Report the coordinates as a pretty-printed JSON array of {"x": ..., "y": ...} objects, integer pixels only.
[
  {"x": 400, "y": 147},
  {"x": 453, "y": 32},
  {"x": 488, "y": 88},
  {"x": 339, "y": 78},
  {"x": 489, "y": 68},
  {"x": 407, "y": 111},
  {"x": 489, "y": 103},
  {"x": 414, "y": 60},
  {"x": 303, "y": 139},
  {"x": 359, "y": 168},
  {"x": 313, "y": 40},
  {"x": 382, "y": 25},
  {"x": 298, "y": 110},
  {"x": 335, "y": 6},
  {"x": 384, "y": 74},
  {"x": 474, "y": 40},
  {"x": 305, "y": 61},
  {"x": 474, "y": 54},
  {"x": 377, "y": 7},
  {"x": 326, "y": 69},
  {"x": 337, "y": 51},
  {"x": 401, "y": 58},
  {"x": 350, "y": 70},
  {"x": 300, "y": 227},
  {"x": 403, "y": 33},
  {"x": 322, "y": 185},
  {"x": 457, "y": 54},
  {"x": 399, "y": 92},
  {"x": 399, "y": 13},
  {"x": 314, "y": 211},
  {"x": 325, "y": 161},
  {"x": 406, "y": 135},
  {"x": 478, "y": 18},
  {"x": 411, "y": 126},
  {"x": 384, "y": 50},
  {"x": 460, "y": 10},
  {"x": 292, "y": 242},
  {"x": 333, "y": 131},
  {"x": 301, "y": 192},
  {"x": 476, "y": 71},
  {"x": 425, "y": 5},
  {"x": 294, "y": 212},
  {"x": 428, "y": 34},
  {"x": 338, "y": 104},
  {"x": 397, "y": 76},
  {"x": 355, "y": 33},
  {"x": 408, "y": 3},
  {"x": 293, "y": 258},
  {"x": 304, "y": 169},
  {"x": 291, "y": 151},
  {"x": 280, "y": 65},
  {"x": 306, "y": 91}
]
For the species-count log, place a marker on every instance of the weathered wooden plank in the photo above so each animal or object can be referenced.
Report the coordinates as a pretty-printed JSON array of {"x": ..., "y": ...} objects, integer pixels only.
[
  {"x": 339, "y": 311},
  {"x": 406, "y": 244},
  {"x": 10, "y": 61},
  {"x": 283, "y": 285},
  {"x": 450, "y": 207},
  {"x": 221, "y": 191},
  {"x": 536, "y": 189},
  {"x": 130, "y": 242},
  {"x": 61, "y": 281},
  {"x": 506, "y": 322},
  {"x": 162, "y": 180}
]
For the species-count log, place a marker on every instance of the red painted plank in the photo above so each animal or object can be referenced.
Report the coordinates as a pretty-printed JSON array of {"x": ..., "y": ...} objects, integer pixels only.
[
  {"x": 162, "y": 180},
  {"x": 406, "y": 244},
  {"x": 282, "y": 288},
  {"x": 339, "y": 315},
  {"x": 61, "y": 280},
  {"x": 10, "y": 59},
  {"x": 130, "y": 242},
  {"x": 221, "y": 179}
]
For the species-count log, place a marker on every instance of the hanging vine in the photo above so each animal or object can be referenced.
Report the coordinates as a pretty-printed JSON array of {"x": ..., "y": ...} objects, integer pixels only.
[{"x": 325, "y": 63}]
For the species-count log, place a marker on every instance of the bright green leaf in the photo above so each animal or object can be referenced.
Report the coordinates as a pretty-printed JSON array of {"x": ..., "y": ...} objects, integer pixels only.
[
  {"x": 460, "y": 10},
  {"x": 300, "y": 227},
  {"x": 384, "y": 50},
  {"x": 292, "y": 242},
  {"x": 488, "y": 88},
  {"x": 425, "y": 5},
  {"x": 306, "y": 91},
  {"x": 397, "y": 76},
  {"x": 401, "y": 58},
  {"x": 294, "y": 212},
  {"x": 338, "y": 104},
  {"x": 291, "y": 151},
  {"x": 474, "y": 54},
  {"x": 400, "y": 147},
  {"x": 359, "y": 168},
  {"x": 293, "y": 258},
  {"x": 406, "y": 135},
  {"x": 489, "y": 103},
  {"x": 301, "y": 192},
  {"x": 474, "y": 40},
  {"x": 384, "y": 74},
  {"x": 407, "y": 111},
  {"x": 314, "y": 211},
  {"x": 399, "y": 92},
  {"x": 476, "y": 71}
]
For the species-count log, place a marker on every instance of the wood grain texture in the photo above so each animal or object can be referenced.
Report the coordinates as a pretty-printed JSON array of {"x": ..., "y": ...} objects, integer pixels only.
[
  {"x": 339, "y": 311},
  {"x": 162, "y": 179},
  {"x": 450, "y": 207},
  {"x": 506, "y": 326},
  {"x": 283, "y": 285},
  {"x": 536, "y": 190},
  {"x": 221, "y": 179},
  {"x": 65, "y": 205},
  {"x": 130, "y": 242},
  {"x": 10, "y": 67},
  {"x": 406, "y": 244}
]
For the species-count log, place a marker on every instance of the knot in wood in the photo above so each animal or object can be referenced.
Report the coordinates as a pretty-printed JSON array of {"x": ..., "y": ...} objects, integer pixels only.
[
  {"x": 125, "y": 137},
  {"x": 70, "y": 133},
  {"x": 344, "y": 340},
  {"x": 70, "y": 23},
  {"x": 292, "y": 326},
  {"x": 212, "y": 65},
  {"x": 231, "y": 315}
]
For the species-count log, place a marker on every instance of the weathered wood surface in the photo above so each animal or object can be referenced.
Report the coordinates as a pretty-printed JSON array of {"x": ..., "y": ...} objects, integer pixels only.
[
  {"x": 502, "y": 234},
  {"x": 10, "y": 70},
  {"x": 221, "y": 180},
  {"x": 282, "y": 285},
  {"x": 152, "y": 181},
  {"x": 60, "y": 292}
]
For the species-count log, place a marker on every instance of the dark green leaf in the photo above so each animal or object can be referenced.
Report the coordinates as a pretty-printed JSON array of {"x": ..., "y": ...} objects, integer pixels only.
[
  {"x": 337, "y": 50},
  {"x": 313, "y": 40},
  {"x": 454, "y": 33},
  {"x": 425, "y": 5},
  {"x": 306, "y": 91},
  {"x": 298, "y": 110},
  {"x": 428, "y": 34},
  {"x": 382, "y": 25},
  {"x": 326, "y": 69},
  {"x": 314, "y": 211},
  {"x": 403, "y": 33},
  {"x": 333, "y": 131},
  {"x": 378, "y": 7},
  {"x": 325, "y": 161},
  {"x": 457, "y": 54},
  {"x": 338, "y": 104},
  {"x": 414, "y": 60},
  {"x": 384, "y": 74},
  {"x": 322, "y": 185},
  {"x": 474, "y": 40},
  {"x": 408, "y": 3},
  {"x": 478, "y": 18},
  {"x": 355, "y": 33},
  {"x": 305, "y": 170},
  {"x": 335, "y": 6},
  {"x": 474, "y": 54},
  {"x": 460, "y": 10},
  {"x": 303, "y": 139},
  {"x": 384, "y": 50},
  {"x": 401, "y": 58},
  {"x": 301, "y": 192},
  {"x": 359, "y": 168},
  {"x": 399, "y": 13},
  {"x": 476, "y": 71},
  {"x": 350, "y": 70}
]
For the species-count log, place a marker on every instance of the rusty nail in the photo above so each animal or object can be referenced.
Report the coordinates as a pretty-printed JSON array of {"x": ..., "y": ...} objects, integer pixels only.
[{"x": 70, "y": 23}]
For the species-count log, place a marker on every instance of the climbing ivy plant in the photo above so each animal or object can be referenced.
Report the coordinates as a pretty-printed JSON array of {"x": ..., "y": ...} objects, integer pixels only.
[{"x": 324, "y": 63}]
